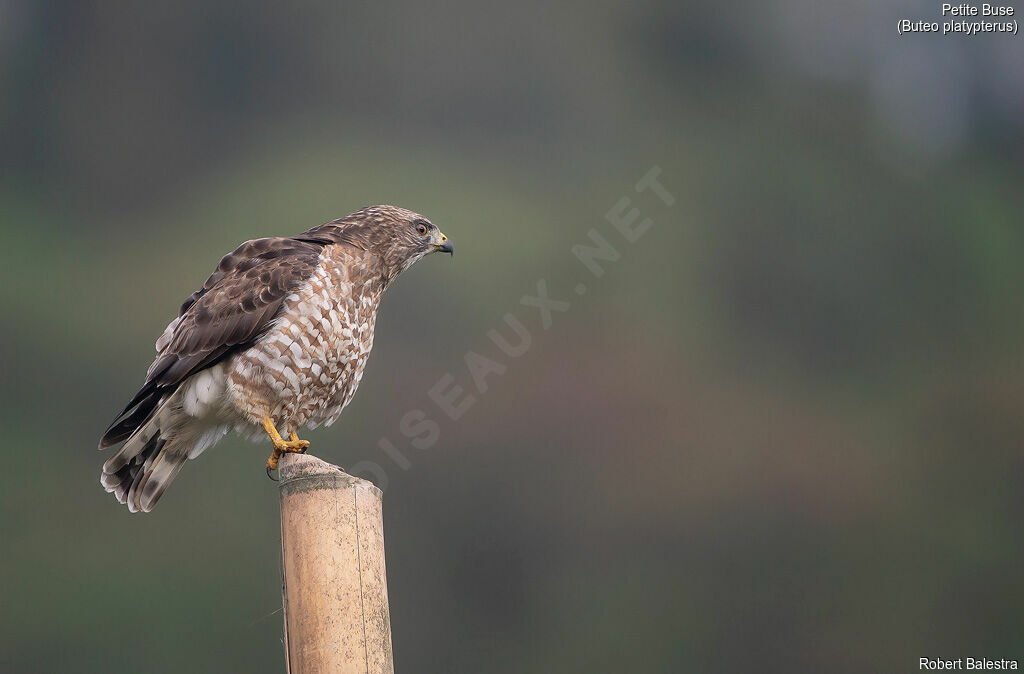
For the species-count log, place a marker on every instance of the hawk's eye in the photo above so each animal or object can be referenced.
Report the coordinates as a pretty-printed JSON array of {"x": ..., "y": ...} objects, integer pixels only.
[{"x": 421, "y": 228}]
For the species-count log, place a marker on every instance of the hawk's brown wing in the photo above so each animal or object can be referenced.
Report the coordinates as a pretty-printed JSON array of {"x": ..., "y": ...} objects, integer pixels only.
[{"x": 232, "y": 309}]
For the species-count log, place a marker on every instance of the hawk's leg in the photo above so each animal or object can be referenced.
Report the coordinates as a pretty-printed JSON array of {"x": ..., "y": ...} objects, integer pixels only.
[{"x": 282, "y": 446}]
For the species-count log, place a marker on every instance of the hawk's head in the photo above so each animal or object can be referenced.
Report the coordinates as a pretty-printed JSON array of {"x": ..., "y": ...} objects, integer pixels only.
[{"x": 396, "y": 236}]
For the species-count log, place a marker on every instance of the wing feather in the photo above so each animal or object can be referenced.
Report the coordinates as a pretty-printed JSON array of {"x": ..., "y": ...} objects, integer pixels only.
[{"x": 234, "y": 307}]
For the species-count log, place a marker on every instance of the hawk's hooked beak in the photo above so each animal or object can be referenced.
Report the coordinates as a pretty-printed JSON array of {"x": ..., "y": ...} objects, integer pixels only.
[{"x": 444, "y": 245}]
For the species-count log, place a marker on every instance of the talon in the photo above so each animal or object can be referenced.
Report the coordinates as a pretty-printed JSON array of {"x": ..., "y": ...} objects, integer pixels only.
[
  {"x": 294, "y": 445},
  {"x": 272, "y": 462},
  {"x": 291, "y": 446},
  {"x": 281, "y": 446}
]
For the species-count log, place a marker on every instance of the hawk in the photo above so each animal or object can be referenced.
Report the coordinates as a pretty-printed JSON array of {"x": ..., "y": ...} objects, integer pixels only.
[{"x": 275, "y": 340}]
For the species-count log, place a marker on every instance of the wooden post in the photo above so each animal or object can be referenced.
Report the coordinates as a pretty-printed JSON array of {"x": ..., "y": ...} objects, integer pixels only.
[{"x": 332, "y": 561}]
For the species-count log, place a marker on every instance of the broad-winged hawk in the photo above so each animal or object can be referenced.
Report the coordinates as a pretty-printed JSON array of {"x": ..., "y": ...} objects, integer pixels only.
[{"x": 276, "y": 339}]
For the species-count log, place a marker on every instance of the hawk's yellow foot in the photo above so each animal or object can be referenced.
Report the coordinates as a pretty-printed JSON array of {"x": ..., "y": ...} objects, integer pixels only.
[{"x": 282, "y": 446}]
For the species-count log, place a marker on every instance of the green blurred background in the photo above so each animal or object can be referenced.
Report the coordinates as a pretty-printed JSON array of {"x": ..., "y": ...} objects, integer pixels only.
[{"x": 783, "y": 433}]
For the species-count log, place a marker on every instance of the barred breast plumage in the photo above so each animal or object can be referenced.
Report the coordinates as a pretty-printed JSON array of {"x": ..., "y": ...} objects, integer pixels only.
[{"x": 306, "y": 369}]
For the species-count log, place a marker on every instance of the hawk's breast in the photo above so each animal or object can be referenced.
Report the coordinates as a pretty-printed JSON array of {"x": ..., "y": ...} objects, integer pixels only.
[{"x": 307, "y": 367}]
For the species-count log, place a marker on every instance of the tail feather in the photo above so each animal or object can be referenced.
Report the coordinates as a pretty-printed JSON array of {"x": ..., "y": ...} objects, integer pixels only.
[
  {"x": 119, "y": 478},
  {"x": 124, "y": 425},
  {"x": 141, "y": 481},
  {"x": 155, "y": 479},
  {"x": 153, "y": 452},
  {"x": 160, "y": 430},
  {"x": 138, "y": 440}
]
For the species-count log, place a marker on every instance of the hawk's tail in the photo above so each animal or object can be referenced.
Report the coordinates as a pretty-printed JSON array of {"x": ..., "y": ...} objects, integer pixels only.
[
  {"x": 147, "y": 462},
  {"x": 154, "y": 452}
]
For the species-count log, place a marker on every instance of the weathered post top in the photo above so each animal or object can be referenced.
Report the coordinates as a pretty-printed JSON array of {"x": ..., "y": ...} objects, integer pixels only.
[{"x": 332, "y": 558}]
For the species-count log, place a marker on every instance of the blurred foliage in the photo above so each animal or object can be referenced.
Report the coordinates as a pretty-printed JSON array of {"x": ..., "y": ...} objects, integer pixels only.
[{"x": 783, "y": 433}]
